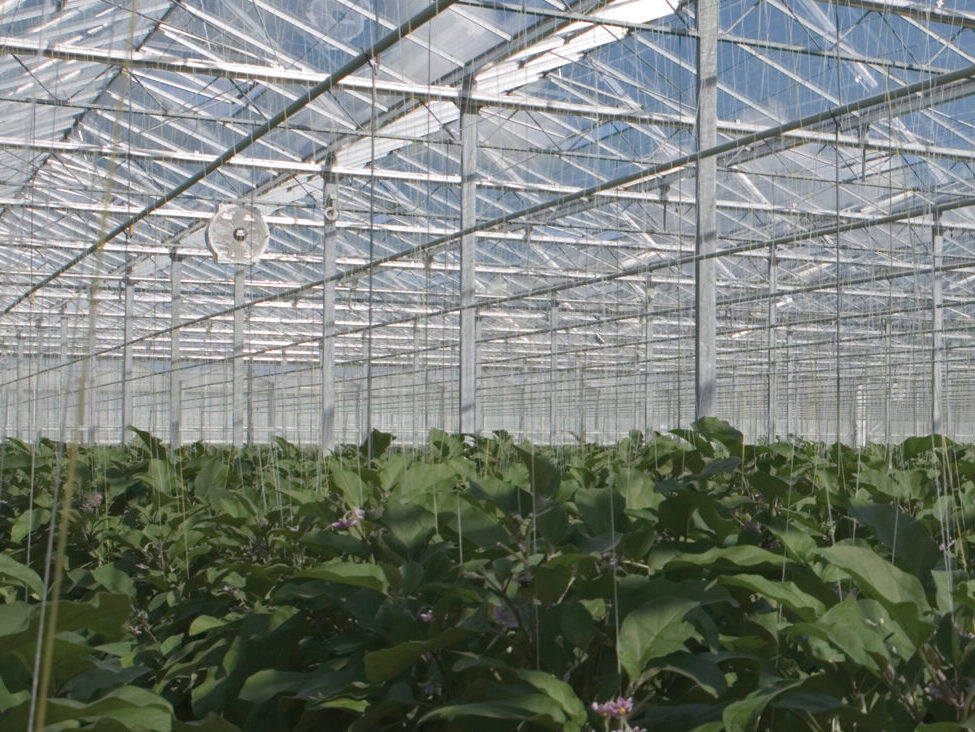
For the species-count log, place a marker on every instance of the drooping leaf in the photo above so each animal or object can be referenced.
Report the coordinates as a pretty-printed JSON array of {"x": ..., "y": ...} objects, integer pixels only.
[
  {"x": 743, "y": 715},
  {"x": 654, "y": 630},
  {"x": 544, "y": 476},
  {"x": 13, "y": 571},
  {"x": 781, "y": 592},
  {"x": 899, "y": 592},
  {"x": 390, "y": 662},
  {"x": 370, "y": 576},
  {"x": 910, "y": 544}
]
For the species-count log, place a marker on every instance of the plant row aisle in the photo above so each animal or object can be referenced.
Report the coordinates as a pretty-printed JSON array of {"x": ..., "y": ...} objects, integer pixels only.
[{"x": 679, "y": 581}]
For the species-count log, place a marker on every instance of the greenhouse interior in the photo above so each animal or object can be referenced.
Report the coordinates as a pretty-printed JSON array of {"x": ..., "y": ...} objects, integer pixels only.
[
  {"x": 233, "y": 220},
  {"x": 487, "y": 365}
]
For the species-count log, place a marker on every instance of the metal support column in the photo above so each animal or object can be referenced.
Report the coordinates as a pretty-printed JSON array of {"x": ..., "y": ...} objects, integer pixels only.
[
  {"x": 790, "y": 391},
  {"x": 128, "y": 298},
  {"x": 581, "y": 399},
  {"x": 647, "y": 356},
  {"x": 888, "y": 380},
  {"x": 35, "y": 365},
  {"x": 773, "y": 376},
  {"x": 937, "y": 328},
  {"x": 705, "y": 243},
  {"x": 553, "y": 322},
  {"x": 176, "y": 301},
  {"x": 330, "y": 214},
  {"x": 21, "y": 428},
  {"x": 91, "y": 393},
  {"x": 249, "y": 398},
  {"x": 467, "y": 419},
  {"x": 238, "y": 367},
  {"x": 63, "y": 380},
  {"x": 415, "y": 392}
]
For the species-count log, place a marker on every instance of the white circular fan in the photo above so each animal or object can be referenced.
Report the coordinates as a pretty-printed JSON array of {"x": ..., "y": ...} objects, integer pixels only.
[
  {"x": 237, "y": 234},
  {"x": 335, "y": 19}
]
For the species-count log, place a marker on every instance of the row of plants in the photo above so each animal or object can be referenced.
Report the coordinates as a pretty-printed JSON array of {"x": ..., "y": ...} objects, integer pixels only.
[{"x": 679, "y": 581}]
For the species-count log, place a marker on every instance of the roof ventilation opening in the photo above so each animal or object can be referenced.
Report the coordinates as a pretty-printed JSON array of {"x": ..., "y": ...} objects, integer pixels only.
[{"x": 237, "y": 234}]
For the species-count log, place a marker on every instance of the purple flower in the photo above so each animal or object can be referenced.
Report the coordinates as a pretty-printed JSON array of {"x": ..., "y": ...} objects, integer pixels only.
[
  {"x": 349, "y": 520},
  {"x": 427, "y": 616},
  {"x": 502, "y": 615},
  {"x": 615, "y": 708},
  {"x": 431, "y": 688},
  {"x": 92, "y": 504}
]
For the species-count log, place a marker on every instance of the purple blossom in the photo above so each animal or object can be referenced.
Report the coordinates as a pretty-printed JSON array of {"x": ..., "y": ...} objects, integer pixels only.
[
  {"x": 349, "y": 520},
  {"x": 502, "y": 615},
  {"x": 92, "y": 504},
  {"x": 427, "y": 616},
  {"x": 431, "y": 688},
  {"x": 615, "y": 708}
]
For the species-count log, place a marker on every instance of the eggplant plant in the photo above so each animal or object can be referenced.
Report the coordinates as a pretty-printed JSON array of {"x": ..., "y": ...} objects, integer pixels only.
[{"x": 678, "y": 581}]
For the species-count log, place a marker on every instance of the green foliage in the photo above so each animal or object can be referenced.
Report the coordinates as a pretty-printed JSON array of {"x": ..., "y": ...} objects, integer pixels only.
[{"x": 480, "y": 584}]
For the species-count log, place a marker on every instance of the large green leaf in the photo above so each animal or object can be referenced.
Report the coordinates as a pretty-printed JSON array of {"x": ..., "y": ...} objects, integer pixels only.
[
  {"x": 557, "y": 690},
  {"x": 544, "y": 476},
  {"x": 779, "y": 591},
  {"x": 316, "y": 685},
  {"x": 702, "y": 669},
  {"x": 845, "y": 629},
  {"x": 910, "y": 544},
  {"x": 899, "y": 592},
  {"x": 349, "y": 573},
  {"x": 743, "y": 715},
  {"x": 13, "y": 571},
  {"x": 389, "y": 662},
  {"x": 652, "y": 631},
  {"x": 537, "y": 709},
  {"x": 130, "y": 707},
  {"x": 744, "y": 555}
]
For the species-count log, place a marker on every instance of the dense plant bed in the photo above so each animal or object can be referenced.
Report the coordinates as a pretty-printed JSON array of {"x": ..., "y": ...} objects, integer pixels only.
[{"x": 682, "y": 581}]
